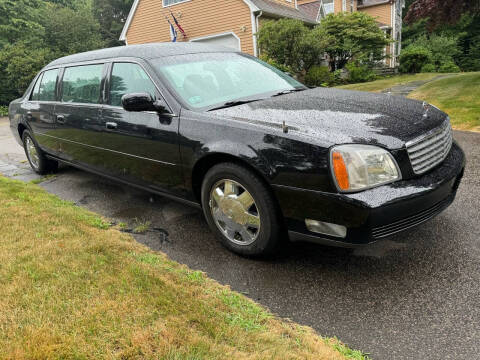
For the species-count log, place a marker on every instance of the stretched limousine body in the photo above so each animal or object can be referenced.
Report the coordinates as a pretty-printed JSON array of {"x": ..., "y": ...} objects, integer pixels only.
[{"x": 261, "y": 154}]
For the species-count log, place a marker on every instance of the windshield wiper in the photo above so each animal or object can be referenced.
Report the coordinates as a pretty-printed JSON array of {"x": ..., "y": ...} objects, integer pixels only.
[
  {"x": 284, "y": 92},
  {"x": 233, "y": 103}
]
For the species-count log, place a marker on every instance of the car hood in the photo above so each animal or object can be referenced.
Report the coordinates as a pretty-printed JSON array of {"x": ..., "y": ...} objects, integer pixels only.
[{"x": 334, "y": 116}]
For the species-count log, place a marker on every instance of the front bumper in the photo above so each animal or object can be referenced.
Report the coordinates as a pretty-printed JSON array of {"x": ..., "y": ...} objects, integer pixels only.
[{"x": 375, "y": 213}]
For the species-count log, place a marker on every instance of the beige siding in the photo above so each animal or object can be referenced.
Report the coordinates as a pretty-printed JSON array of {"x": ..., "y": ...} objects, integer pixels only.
[
  {"x": 382, "y": 13},
  {"x": 197, "y": 17}
]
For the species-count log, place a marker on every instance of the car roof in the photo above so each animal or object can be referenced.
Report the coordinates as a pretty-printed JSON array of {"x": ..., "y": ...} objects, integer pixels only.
[{"x": 143, "y": 51}]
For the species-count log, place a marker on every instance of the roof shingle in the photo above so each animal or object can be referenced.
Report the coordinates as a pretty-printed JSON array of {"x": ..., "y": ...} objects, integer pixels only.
[{"x": 275, "y": 9}]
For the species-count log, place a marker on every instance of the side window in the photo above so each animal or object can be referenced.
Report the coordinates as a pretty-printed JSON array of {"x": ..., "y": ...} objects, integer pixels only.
[
  {"x": 36, "y": 90},
  {"x": 48, "y": 86},
  {"x": 81, "y": 84},
  {"x": 129, "y": 78}
]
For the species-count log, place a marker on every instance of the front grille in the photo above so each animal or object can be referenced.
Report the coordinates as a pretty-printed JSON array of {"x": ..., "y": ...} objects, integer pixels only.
[
  {"x": 431, "y": 149},
  {"x": 411, "y": 221}
]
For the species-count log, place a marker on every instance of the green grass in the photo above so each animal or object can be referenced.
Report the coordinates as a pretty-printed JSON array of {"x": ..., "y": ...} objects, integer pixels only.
[
  {"x": 3, "y": 110},
  {"x": 384, "y": 84},
  {"x": 74, "y": 287},
  {"x": 458, "y": 96}
]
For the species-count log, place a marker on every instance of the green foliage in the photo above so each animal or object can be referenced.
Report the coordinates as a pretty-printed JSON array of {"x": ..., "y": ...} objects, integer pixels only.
[
  {"x": 449, "y": 67},
  {"x": 428, "y": 68},
  {"x": 351, "y": 36},
  {"x": 444, "y": 48},
  {"x": 275, "y": 64},
  {"x": 319, "y": 76},
  {"x": 290, "y": 43},
  {"x": 3, "y": 110},
  {"x": 34, "y": 32},
  {"x": 413, "y": 58},
  {"x": 358, "y": 73}
]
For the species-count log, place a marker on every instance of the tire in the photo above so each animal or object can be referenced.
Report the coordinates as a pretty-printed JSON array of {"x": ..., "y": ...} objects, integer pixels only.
[
  {"x": 230, "y": 216},
  {"x": 36, "y": 157}
]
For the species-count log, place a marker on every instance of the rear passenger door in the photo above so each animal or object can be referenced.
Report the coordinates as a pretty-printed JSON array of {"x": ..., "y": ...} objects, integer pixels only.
[
  {"x": 40, "y": 110},
  {"x": 141, "y": 147},
  {"x": 78, "y": 115}
]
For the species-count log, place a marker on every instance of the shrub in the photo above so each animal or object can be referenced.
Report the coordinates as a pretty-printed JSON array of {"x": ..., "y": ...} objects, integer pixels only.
[
  {"x": 428, "y": 68},
  {"x": 3, "y": 110},
  {"x": 319, "y": 76},
  {"x": 449, "y": 67},
  {"x": 413, "y": 58},
  {"x": 359, "y": 73}
]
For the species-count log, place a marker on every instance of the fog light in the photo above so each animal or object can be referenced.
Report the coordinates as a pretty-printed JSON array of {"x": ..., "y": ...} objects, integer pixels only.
[{"x": 325, "y": 228}]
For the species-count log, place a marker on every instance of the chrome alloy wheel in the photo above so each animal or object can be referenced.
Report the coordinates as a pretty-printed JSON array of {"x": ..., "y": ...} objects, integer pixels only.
[
  {"x": 235, "y": 212},
  {"x": 32, "y": 152}
]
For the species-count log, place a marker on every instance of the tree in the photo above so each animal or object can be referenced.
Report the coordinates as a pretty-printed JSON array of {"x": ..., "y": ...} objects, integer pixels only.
[
  {"x": 69, "y": 31},
  {"x": 289, "y": 42},
  {"x": 351, "y": 36},
  {"x": 440, "y": 12},
  {"x": 111, "y": 15}
]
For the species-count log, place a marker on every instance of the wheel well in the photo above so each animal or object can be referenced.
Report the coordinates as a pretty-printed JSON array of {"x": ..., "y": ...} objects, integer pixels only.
[
  {"x": 203, "y": 165},
  {"x": 21, "y": 129}
]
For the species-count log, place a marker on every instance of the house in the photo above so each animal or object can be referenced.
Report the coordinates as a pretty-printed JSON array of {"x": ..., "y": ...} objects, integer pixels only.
[{"x": 234, "y": 23}]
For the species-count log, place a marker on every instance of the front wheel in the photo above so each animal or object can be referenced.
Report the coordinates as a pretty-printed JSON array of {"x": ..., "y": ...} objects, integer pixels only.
[
  {"x": 240, "y": 210},
  {"x": 37, "y": 159}
]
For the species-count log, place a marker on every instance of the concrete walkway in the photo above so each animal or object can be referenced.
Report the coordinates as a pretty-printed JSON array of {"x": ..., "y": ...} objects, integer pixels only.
[{"x": 405, "y": 89}]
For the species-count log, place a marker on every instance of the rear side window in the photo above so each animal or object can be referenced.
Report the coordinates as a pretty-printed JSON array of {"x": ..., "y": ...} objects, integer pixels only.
[
  {"x": 36, "y": 90},
  {"x": 81, "y": 84},
  {"x": 129, "y": 78},
  {"x": 45, "y": 89}
]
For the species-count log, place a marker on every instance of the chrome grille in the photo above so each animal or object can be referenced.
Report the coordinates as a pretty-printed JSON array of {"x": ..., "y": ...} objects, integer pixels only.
[{"x": 431, "y": 149}]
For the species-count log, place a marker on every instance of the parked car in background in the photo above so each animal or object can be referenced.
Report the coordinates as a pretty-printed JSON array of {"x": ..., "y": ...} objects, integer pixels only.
[{"x": 262, "y": 155}]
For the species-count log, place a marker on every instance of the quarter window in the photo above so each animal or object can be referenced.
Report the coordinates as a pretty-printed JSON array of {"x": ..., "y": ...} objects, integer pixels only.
[
  {"x": 81, "y": 84},
  {"x": 129, "y": 78},
  {"x": 36, "y": 89},
  {"x": 48, "y": 85}
]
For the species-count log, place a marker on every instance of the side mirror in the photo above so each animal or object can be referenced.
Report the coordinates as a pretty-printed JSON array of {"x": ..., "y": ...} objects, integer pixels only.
[{"x": 142, "y": 102}]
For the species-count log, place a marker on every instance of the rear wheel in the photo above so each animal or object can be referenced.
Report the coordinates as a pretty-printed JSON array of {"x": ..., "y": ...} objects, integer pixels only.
[
  {"x": 37, "y": 159},
  {"x": 240, "y": 210}
]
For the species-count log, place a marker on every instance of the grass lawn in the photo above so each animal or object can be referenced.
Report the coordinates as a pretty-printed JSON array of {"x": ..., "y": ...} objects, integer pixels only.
[
  {"x": 458, "y": 96},
  {"x": 379, "y": 85},
  {"x": 73, "y": 287}
]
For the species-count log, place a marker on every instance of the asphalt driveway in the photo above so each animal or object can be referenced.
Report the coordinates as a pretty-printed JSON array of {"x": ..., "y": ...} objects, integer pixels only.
[{"x": 414, "y": 296}]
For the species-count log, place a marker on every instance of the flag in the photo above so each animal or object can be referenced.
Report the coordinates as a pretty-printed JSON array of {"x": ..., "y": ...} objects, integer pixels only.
[
  {"x": 178, "y": 25},
  {"x": 173, "y": 32}
]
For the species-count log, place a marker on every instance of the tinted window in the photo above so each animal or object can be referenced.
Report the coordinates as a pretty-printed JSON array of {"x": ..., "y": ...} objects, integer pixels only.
[
  {"x": 129, "y": 78},
  {"x": 48, "y": 85},
  {"x": 81, "y": 84},
  {"x": 36, "y": 89}
]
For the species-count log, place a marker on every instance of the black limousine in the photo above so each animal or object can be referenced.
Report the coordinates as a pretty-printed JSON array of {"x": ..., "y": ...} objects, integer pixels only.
[{"x": 261, "y": 154}]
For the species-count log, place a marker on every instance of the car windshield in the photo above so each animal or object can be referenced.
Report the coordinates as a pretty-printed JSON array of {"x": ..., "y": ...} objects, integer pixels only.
[{"x": 206, "y": 81}]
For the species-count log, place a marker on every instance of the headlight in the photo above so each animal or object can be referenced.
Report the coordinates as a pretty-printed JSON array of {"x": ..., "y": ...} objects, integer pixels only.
[{"x": 359, "y": 167}]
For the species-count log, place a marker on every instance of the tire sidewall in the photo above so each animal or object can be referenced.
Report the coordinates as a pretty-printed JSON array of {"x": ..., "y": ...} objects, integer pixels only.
[
  {"x": 42, "y": 166},
  {"x": 268, "y": 226}
]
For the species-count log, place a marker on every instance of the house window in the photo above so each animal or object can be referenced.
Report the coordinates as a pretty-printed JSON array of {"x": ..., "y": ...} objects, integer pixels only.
[
  {"x": 172, "y": 2},
  {"x": 344, "y": 5},
  {"x": 328, "y": 6}
]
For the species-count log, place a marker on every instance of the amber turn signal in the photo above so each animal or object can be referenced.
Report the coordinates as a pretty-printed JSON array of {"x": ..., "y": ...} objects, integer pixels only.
[{"x": 340, "y": 171}]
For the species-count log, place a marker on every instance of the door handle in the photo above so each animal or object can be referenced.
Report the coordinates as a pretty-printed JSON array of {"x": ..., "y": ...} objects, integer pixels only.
[
  {"x": 60, "y": 119},
  {"x": 29, "y": 115},
  {"x": 111, "y": 125}
]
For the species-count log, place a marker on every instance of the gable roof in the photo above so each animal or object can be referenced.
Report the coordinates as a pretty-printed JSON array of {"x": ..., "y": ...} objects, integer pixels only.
[
  {"x": 275, "y": 9},
  {"x": 311, "y": 10}
]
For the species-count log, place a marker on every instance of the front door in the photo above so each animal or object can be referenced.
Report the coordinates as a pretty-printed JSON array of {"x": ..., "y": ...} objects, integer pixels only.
[{"x": 140, "y": 147}]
